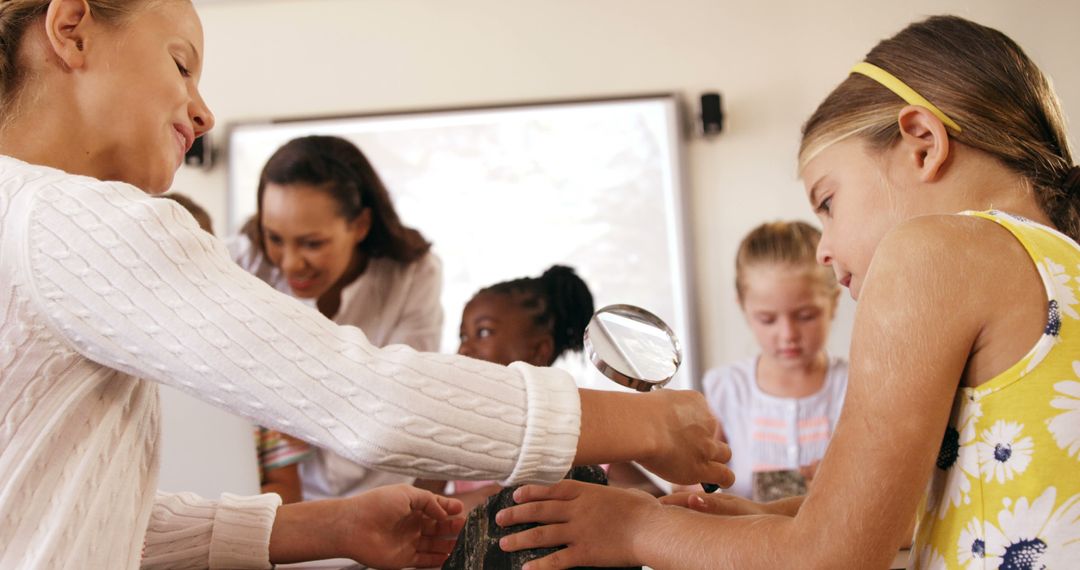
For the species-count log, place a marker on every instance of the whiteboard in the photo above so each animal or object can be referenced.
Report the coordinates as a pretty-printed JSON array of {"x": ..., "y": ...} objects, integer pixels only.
[{"x": 505, "y": 192}]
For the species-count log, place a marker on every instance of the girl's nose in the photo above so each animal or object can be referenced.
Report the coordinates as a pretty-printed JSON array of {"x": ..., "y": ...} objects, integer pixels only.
[
  {"x": 201, "y": 115},
  {"x": 824, "y": 255},
  {"x": 788, "y": 330}
]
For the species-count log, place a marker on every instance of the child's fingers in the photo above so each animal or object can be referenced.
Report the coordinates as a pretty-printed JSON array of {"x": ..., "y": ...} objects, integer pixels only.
[
  {"x": 719, "y": 474},
  {"x": 562, "y": 491},
  {"x": 722, "y": 452},
  {"x": 564, "y": 558},
  {"x": 677, "y": 499},
  {"x": 428, "y": 545},
  {"x": 444, "y": 527},
  {"x": 429, "y": 503},
  {"x": 544, "y": 536},
  {"x": 454, "y": 526},
  {"x": 698, "y": 504},
  {"x": 690, "y": 501},
  {"x": 544, "y": 512},
  {"x": 450, "y": 505},
  {"x": 713, "y": 504}
]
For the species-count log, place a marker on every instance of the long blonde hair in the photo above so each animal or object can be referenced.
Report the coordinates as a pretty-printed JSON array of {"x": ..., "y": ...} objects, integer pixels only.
[
  {"x": 793, "y": 244},
  {"x": 980, "y": 78}
]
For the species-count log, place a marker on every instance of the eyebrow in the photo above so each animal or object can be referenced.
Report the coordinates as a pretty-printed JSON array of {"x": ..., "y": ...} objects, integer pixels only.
[{"x": 308, "y": 236}]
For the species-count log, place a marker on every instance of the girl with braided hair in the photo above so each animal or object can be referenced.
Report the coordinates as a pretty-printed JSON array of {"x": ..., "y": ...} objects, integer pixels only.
[{"x": 531, "y": 319}]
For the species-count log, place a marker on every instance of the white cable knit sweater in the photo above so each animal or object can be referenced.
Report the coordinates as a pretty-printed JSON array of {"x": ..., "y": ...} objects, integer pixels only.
[{"x": 105, "y": 291}]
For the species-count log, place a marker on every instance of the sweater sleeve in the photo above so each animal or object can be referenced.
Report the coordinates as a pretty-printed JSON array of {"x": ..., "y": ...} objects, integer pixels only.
[
  {"x": 130, "y": 282},
  {"x": 187, "y": 531}
]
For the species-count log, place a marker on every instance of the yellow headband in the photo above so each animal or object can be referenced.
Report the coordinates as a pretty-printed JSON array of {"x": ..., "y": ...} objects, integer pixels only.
[{"x": 900, "y": 88}]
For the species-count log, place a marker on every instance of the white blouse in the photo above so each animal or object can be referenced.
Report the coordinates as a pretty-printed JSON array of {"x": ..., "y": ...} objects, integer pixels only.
[{"x": 766, "y": 432}]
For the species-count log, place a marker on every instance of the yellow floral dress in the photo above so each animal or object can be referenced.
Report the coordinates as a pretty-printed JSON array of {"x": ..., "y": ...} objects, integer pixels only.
[{"x": 1006, "y": 490}]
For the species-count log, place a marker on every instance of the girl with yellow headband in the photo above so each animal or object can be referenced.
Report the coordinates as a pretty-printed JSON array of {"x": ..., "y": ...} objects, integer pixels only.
[{"x": 942, "y": 175}]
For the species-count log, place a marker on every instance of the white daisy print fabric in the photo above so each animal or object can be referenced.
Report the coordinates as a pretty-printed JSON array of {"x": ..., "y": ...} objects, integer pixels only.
[
  {"x": 958, "y": 461},
  {"x": 1060, "y": 286},
  {"x": 1065, "y": 426},
  {"x": 971, "y": 551},
  {"x": 1006, "y": 488},
  {"x": 1003, "y": 452},
  {"x": 1040, "y": 534}
]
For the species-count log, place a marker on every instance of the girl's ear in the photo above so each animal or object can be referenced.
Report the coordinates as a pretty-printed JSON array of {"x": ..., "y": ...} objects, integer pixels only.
[
  {"x": 924, "y": 140},
  {"x": 543, "y": 351},
  {"x": 67, "y": 23}
]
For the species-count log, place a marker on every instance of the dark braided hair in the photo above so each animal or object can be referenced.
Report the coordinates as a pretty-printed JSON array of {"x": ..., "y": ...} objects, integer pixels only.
[{"x": 559, "y": 301}]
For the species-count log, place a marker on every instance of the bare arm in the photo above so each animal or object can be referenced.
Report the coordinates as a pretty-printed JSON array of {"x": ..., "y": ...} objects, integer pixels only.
[
  {"x": 733, "y": 505},
  {"x": 618, "y": 427},
  {"x": 906, "y": 365}
]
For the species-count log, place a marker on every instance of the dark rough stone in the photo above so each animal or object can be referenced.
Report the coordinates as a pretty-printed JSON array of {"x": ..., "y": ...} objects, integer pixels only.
[{"x": 478, "y": 544}]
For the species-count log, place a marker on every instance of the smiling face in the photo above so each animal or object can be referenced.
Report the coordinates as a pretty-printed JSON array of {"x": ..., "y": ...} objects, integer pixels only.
[
  {"x": 141, "y": 93},
  {"x": 307, "y": 239},
  {"x": 497, "y": 329},
  {"x": 858, "y": 201},
  {"x": 789, "y": 311}
]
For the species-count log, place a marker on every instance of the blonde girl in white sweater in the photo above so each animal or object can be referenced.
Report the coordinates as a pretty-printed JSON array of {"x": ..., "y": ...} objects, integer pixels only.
[{"x": 105, "y": 292}]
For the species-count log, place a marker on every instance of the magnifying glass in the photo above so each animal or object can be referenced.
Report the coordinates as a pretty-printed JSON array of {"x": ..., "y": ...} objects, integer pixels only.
[{"x": 634, "y": 348}]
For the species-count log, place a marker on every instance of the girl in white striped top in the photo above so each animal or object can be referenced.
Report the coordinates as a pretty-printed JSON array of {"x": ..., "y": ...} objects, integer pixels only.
[{"x": 778, "y": 409}]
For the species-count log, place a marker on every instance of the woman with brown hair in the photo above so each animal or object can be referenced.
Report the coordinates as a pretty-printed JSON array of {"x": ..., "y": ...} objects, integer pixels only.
[{"x": 325, "y": 231}]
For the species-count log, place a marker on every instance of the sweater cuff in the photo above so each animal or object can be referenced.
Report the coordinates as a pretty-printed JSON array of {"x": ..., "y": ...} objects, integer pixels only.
[
  {"x": 552, "y": 426},
  {"x": 241, "y": 535}
]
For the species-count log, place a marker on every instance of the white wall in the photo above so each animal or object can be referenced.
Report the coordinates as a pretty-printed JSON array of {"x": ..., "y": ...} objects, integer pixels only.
[{"x": 773, "y": 61}]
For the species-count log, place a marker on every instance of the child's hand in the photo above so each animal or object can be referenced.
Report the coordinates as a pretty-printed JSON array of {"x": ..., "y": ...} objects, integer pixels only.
[
  {"x": 401, "y": 526},
  {"x": 398, "y": 526},
  {"x": 688, "y": 451},
  {"x": 714, "y": 503},
  {"x": 597, "y": 524}
]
